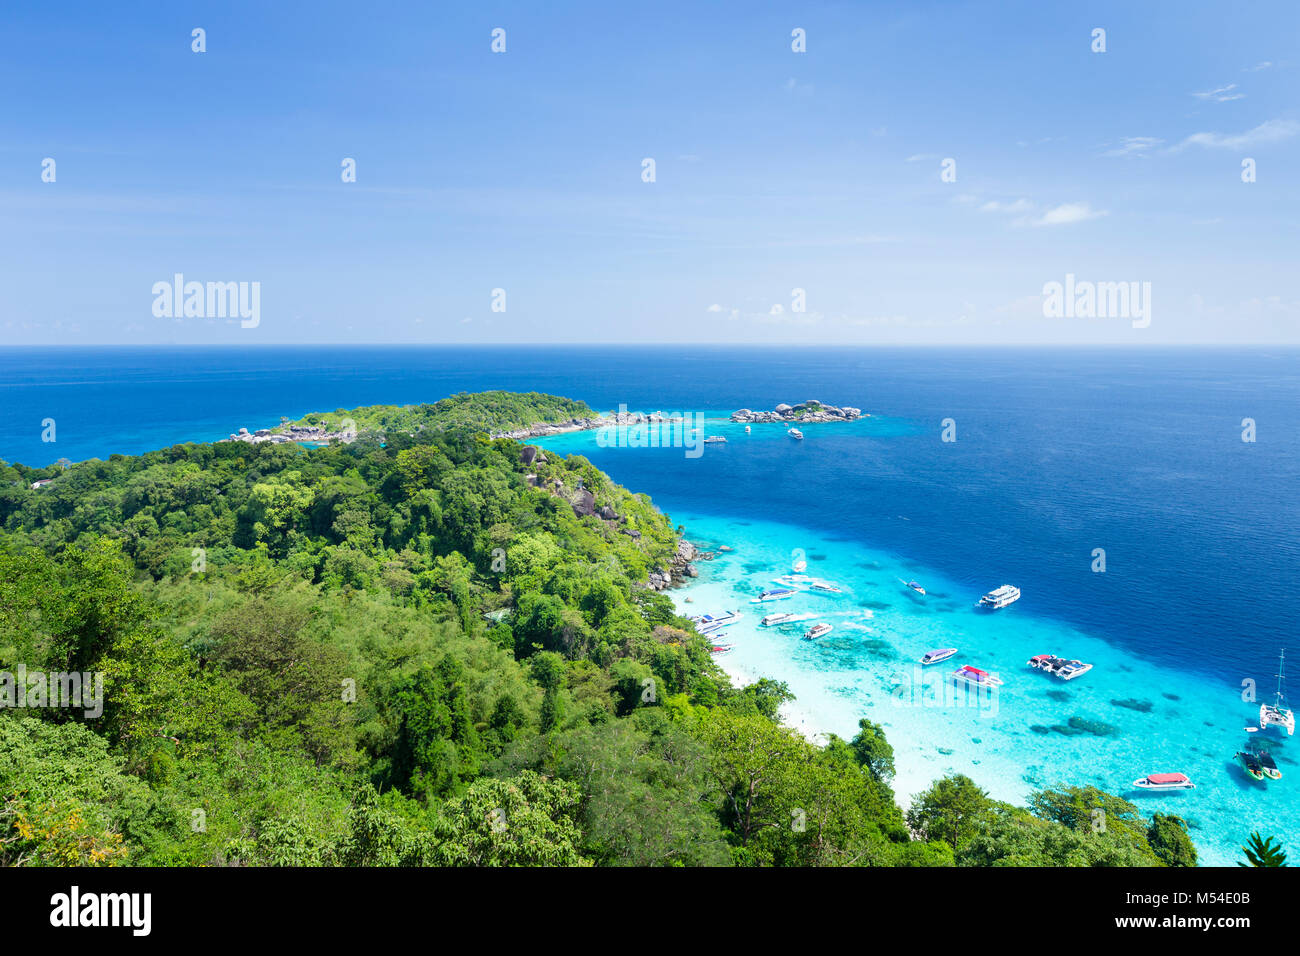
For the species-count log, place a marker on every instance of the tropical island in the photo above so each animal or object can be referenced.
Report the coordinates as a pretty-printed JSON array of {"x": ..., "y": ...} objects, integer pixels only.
[{"x": 427, "y": 645}]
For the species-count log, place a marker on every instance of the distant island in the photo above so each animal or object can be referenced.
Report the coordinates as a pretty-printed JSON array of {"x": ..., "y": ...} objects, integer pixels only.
[{"x": 808, "y": 413}]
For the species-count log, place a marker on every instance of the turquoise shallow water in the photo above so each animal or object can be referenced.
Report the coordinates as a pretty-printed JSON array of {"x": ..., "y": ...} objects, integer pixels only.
[{"x": 1138, "y": 716}]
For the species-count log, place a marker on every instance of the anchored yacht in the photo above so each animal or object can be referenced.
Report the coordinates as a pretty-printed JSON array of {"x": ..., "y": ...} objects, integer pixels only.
[
  {"x": 1277, "y": 714},
  {"x": 1001, "y": 597}
]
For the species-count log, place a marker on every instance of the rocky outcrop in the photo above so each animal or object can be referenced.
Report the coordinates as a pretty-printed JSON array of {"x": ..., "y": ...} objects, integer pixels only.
[
  {"x": 683, "y": 558},
  {"x": 293, "y": 433},
  {"x": 809, "y": 412},
  {"x": 584, "y": 503},
  {"x": 532, "y": 455},
  {"x": 541, "y": 429}
]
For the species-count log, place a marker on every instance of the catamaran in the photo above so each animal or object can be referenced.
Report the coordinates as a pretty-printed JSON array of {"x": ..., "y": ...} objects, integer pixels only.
[
  {"x": 775, "y": 594},
  {"x": 975, "y": 677},
  {"x": 937, "y": 655},
  {"x": 1165, "y": 781},
  {"x": 1277, "y": 714},
  {"x": 1000, "y": 597},
  {"x": 787, "y": 618},
  {"x": 816, "y": 631},
  {"x": 1059, "y": 666}
]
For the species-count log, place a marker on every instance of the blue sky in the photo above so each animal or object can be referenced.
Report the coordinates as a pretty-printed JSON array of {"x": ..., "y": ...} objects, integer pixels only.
[{"x": 775, "y": 170}]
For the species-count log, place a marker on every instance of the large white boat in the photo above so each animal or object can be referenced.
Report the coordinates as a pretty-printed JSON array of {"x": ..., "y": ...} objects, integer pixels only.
[
  {"x": 976, "y": 677},
  {"x": 1277, "y": 714},
  {"x": 1001, "y": 597},
  {"x": 816, "y": 631},
  {"x": 829, "y": 587},
  {"x": 708, "y": 623},
  {"x": 788, "y": 617},
  {"x": 1059, "y": 666},
  {"x": 715, "y": 440},
  {"x": 775, "y": 594},
  {"x": 796, "y": 434},
  {"x": 1165, "y": 781}
]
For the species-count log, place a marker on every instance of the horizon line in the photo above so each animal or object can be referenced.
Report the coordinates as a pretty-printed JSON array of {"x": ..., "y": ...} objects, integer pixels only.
[{"x": 1004, "y": 346}]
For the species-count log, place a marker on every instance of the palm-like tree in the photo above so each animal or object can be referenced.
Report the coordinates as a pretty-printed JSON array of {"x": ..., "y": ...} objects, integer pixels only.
[{"x": 1263, "y": 852}]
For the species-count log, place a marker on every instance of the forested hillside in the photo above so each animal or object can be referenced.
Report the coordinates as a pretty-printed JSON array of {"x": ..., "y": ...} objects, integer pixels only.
[{"x": 428, "y": 647}]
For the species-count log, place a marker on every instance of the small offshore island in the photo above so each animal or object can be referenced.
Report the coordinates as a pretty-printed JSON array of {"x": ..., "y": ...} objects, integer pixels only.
[{"x": 806, "y": 413}]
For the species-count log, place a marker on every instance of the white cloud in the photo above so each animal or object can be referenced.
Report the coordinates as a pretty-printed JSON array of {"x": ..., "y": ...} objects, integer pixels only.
[
  {"x": 1222, "y": 95},
  {"x": 1018, "y": 206},
  {"x": 1067, "y": 214},
  {"x": 715, "y": 308},
  {"x": 1134, "y": 146},
  {"x": 1262, "y": 65},
  {"x": 1270, "y": 131}
]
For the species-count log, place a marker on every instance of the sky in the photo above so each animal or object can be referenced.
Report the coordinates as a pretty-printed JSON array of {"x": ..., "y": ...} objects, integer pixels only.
[{"x": 774, "y": 171}]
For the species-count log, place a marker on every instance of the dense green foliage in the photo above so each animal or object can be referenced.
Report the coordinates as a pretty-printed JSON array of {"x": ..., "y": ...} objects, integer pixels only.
[
  {"x": 416, "y": 649},
  {"x": 493, "y": 411}
]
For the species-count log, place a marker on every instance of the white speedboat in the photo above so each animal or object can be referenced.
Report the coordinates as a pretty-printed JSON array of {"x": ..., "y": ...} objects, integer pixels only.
[
  {"x": 1001, "y": 597},
  {"x": 1277, "y": 714},
  {"x": 816, "y": 631},
  {"x": 827, "y": 586},
  {"x": 1059, "y": 666},
  {"x": 775, "y": 594},
  {"x": 937, "y": 655},
  {"x": 975, "y": 677},
  {"x": 715, "y": 440},
  {"x": 795, "y": 434},
  {"x": 708, "y": 623},
  {"x": 916, "y": 587},
  {"x": 786, "y": 618},
  {"x": 1165, "y": 781}
]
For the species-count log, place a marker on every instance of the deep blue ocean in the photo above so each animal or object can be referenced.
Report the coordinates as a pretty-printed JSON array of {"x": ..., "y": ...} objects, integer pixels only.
[{"x": 1059, "y": 452}]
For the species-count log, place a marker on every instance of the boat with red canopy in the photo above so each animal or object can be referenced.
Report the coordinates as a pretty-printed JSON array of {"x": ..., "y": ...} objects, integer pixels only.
[{"x": 1165, "y": 781}]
